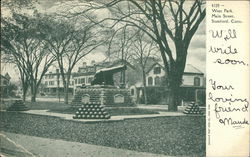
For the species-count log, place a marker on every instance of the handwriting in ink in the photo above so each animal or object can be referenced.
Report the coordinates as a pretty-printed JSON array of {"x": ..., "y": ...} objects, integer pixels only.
[
  {"x": 219, "y": 109},
  {"x": 230, "y": 121},
  {"x": 230, "y": 61},
  {"x": 222, "y": 99},
  {"x": 216, "y": 86},
  {"x": 225, "y": 34},
  {"x": 227, "y": 50}
]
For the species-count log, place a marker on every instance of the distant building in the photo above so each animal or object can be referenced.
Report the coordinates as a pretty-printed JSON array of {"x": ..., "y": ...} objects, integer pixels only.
[
  {"x": 85, "y": 75},
  {"x": 192, "y": 76},
  {"x": 192, "y": 88},
  {"x": 5, "y": 82},
  {"x": 52, "y": 83}
]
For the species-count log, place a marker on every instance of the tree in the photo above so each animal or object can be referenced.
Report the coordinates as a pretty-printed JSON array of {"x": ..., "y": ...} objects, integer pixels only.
[
  {"x": 23, "y": 45},
  {"x": 120, "y": 47},
  {"x": 143, "y": 50},
  {"x": 165, "y": 22},
  {"x": 69, "y": 44}
]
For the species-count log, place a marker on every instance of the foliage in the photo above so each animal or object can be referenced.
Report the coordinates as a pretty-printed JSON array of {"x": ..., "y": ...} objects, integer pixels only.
[
  {"x": 69, "y": 42},
  {"x": 23, "y": 45},
  {"x": 165, "y": 22}
]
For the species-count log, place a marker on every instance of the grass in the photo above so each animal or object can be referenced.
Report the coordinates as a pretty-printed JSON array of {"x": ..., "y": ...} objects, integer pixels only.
[
  {"x": 184, "y": 135},
  {"x": 46, "y": 105},
  {"x": 59, "y": 107}
]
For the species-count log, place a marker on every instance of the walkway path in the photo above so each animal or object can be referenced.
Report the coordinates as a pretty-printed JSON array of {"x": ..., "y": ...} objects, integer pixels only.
[
  {"x": 31, "y": 146},
  {"x": 113, "y": 118}
]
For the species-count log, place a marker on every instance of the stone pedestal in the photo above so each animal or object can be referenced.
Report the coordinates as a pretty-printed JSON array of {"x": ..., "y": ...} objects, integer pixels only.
[
  {"x": 110, "y": 97},
  {"x": 18, "y": 105}
]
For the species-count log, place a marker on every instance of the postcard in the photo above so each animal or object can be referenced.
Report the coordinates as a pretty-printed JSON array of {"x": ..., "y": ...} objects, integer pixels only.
[{"x": 124, "y": 78}]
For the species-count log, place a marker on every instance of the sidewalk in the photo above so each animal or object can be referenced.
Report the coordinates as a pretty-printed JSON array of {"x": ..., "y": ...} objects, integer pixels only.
[
  {"x": 31, "y": 146},
  {"x": 113, "y": 118}
]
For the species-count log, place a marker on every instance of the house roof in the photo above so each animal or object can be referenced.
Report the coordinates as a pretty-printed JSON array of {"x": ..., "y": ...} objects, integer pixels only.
[
  {"x": 121, "y": 63},
  {"x": 188, "y": 68},
  {"x": 6, "y": 76},
  {"x": 83, "y": 74},
  {"x": 191, "y": 69},
  {"x": 151, "y": 61}
]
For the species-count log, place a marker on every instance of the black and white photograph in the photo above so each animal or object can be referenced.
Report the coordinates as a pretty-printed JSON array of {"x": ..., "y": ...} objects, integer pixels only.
[{"x": 103, "y": 78}]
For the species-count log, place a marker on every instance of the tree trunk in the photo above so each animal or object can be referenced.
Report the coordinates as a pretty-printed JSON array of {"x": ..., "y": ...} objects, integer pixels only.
[
  {"x": 66, "y": 96},
  {"x": 175, "y": 80},
  {"x": 124, "y": 78},
  {"x": 144, "y": 87},
  {"x": 24, "y": 93},
  {"x": 33, "y": 93},
  {"x": 173, "y": 99},
  {"x": 66, "y": 90}
]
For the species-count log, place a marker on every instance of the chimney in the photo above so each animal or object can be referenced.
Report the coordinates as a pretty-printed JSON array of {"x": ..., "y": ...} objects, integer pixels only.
[
  {"x": 84, "y": 64},
  {"x": 93, "y": 62}
]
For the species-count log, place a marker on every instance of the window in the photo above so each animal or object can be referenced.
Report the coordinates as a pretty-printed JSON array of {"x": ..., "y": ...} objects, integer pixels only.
[
  {"x": 75, "y": 81},
  {"x": 157, "y": 70},
  {"x": 5, "y": 82},
  {"x": 150, "y": 81},
  {"x": 197, "y": 81},
  {"x": 83, "y": 70},
  {"x": 132, "y": 91},
  {"x": 157, "y": 80},
  {"x": 82, "y": 80},
  {"x": 46, "y": 83},
  {"x": 90, "y": 79},
  {"x": 51, "y": 83}
]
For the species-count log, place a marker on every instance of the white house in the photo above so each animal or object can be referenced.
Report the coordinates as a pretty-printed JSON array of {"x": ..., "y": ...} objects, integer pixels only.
[
  {"x": 53, "y": 83},
  {"x": 192, "y": 76},
  {"x": 192, "y": 88}
]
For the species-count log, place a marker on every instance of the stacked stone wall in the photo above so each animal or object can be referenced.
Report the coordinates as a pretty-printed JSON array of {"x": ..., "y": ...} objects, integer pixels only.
[{"x": 106, "y": 96}]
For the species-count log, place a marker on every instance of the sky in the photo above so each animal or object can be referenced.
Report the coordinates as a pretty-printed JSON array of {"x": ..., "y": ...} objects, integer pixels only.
[{"x": 196, "y": 52}]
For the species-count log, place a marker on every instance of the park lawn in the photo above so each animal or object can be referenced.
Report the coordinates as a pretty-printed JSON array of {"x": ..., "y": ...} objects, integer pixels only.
[
  {"x": 47, "y": 105},
  {"x": 180, "y": 135}
]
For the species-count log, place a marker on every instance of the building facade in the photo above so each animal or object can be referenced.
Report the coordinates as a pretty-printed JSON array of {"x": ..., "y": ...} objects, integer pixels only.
[
  {"x": 192, "y": 88},
  {"x": 53, "y": 84},
  {"x": 4, "y": 84}
]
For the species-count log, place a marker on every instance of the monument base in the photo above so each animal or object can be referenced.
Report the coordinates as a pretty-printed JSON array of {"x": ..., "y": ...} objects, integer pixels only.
[{"x": 110, "y": 97}]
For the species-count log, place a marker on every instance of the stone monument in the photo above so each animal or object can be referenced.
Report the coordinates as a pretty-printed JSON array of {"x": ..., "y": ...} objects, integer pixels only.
[{"x": 102, "y": 91}]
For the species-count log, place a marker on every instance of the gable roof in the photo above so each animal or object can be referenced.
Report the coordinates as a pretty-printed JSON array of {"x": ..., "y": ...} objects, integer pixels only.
[
  {"x": 6, "y": 76},
  {"x": 120, "y": 62},
  {"x": 188, "y": 68},
  {"x": 191, "y": 69},
  {"x": 153, "y": 65}
]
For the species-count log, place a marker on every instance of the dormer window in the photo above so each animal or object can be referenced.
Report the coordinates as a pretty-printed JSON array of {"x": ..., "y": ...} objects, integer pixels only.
[{"x": 157, "y": 70}]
